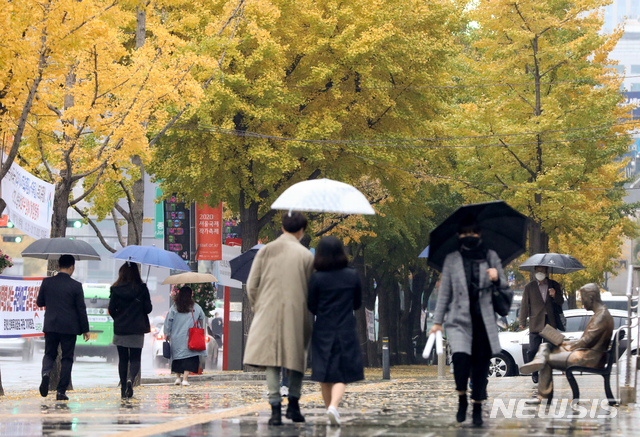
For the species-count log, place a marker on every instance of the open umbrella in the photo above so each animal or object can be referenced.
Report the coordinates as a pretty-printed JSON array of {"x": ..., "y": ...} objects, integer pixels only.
[
  {"x": 504, "y": 230},
  {"x": 53, "y": 248},
  {"x": 241, "y": 264},
  {"x": 554, "y": 262},
  {"x": 151, "y": 256},
  {"x": 190, "y": 278},
  {"x": 323, "y": 195}
]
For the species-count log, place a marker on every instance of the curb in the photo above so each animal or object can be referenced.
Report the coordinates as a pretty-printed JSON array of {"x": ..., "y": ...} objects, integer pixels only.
[{"x": 240, "y": 376}]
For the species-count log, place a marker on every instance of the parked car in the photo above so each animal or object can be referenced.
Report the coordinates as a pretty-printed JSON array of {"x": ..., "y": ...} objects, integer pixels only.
[
  {"x": 160, "y": 361},
  {"x": 515, "y": 345},
  {"x": 100, "y": 343},
  {"x": 20, "y": 347}
]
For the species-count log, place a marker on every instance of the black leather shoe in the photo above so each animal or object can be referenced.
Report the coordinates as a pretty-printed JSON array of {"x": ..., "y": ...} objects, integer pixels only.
[
  {"x": 276, "y": 415},
  {"x": 293, "y": 410},
  {"x": 129, "y": 392},
  {"x": 534, "y": 378},
  {"x": 461, "y": 415},
  {"x": 477, "y": 414},
  {"x": 44, "y": 386},
  {"x": 61, "y": 396}
]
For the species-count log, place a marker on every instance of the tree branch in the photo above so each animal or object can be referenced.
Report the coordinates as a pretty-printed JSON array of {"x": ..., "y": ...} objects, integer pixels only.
[
  {"x": 117, "y": 226},
  {"x": 95, "y": 228},
  {"x": 522, "y": 164}
]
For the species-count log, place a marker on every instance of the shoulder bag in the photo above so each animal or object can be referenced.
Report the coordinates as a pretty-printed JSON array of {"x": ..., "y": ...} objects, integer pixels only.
[
  {"x": 166, "y": 349},
  {"x": 196, "y": 336},
  {"x": 502, "y": 298}
]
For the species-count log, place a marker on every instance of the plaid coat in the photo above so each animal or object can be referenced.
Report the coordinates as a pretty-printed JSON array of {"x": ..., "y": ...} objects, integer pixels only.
[{"x": 453, "y": 301}]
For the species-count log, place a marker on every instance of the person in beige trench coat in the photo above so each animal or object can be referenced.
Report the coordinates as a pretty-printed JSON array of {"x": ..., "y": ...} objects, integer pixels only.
[{"x": 280, "y": 332}]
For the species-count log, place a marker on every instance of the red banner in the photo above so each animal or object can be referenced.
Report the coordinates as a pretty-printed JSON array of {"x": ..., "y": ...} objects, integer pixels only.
[
  {"x": 209, "y": 240},
  {"x": 4, "y": 221}
]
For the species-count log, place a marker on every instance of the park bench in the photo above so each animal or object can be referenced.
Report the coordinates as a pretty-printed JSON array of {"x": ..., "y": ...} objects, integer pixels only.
[{"x": 605, "y": 372}]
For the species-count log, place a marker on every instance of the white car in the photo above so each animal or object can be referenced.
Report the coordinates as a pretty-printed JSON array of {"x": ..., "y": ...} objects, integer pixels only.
[{"x": 515, "y": 345}]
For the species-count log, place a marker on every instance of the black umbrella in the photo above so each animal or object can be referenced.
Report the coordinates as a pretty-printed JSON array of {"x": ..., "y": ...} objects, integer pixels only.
[
  {"x": 241, "y": 264},
  {"x": 504, "y": 230},
  {"x": 53, "y": 248},
  {"x": 554, "y": 262}
]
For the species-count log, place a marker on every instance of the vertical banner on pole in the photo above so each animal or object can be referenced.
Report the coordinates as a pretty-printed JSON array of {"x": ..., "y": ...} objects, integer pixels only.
[
  {"x": 177, "y": 229},
  {"x": 225, "y": 330},
  {"x": 209, "y": 233}
]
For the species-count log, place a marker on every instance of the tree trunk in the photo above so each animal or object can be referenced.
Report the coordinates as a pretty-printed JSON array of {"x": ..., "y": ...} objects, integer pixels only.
[
  {"x": 417, "y": 290},
  {"x": 1, "y": 388},
  {"x": 3, "y": 205},
  {"x": 136, "y": 208}
]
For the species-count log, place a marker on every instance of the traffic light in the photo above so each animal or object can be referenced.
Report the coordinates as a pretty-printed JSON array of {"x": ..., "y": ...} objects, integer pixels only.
[
  {"x": 74, "y": 223},
  {"x": 12, "y": 238}
]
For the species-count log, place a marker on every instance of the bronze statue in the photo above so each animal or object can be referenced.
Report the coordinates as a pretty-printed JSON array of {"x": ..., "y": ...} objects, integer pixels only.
[{"x": 589, "y": 351}]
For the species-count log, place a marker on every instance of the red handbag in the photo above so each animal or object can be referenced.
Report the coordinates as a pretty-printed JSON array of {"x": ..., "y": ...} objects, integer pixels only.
[{"x": 196, "y": 337}]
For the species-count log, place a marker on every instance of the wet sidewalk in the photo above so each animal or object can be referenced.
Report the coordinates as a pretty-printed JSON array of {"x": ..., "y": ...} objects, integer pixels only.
[{"x": 415, "y": 403}]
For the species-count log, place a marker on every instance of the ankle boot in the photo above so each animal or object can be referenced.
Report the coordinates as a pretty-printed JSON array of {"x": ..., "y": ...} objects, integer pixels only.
[
  {"x": 477, "y": 413},
  {"x": 293, "y": 410},
  {"x": 462, "y": 408},
  {"x": 123, "y": 391},
  {"x": 276, "y": 415}
]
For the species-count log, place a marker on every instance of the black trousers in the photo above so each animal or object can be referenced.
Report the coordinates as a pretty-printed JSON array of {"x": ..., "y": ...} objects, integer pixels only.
[
  {"x": 67, "y": 343},
  {"x": 475, "y": 365},
  {"x": 534, "y": 343},
  {"x": 129, "y": 362}
]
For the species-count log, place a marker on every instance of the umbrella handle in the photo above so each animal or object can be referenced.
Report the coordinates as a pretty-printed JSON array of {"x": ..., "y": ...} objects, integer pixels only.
[{"x": 148, "y": 275}]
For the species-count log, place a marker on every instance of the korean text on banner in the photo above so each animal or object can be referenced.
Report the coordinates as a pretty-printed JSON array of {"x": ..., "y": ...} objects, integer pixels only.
[
  {"x": 371, "y": 329},
  {"x": 209, "y": 234},
  {"x": 21, "y": 317},
  {"x": 29, "y": 201}
]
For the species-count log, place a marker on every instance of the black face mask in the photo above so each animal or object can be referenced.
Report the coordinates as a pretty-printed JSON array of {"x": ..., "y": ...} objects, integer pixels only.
[{"x": 470, "y": 243}]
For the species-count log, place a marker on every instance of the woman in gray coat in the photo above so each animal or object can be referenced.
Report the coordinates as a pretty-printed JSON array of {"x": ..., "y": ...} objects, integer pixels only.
[
  {"x": 465, "y": 297},
  {"x": 184, "y": 314}
]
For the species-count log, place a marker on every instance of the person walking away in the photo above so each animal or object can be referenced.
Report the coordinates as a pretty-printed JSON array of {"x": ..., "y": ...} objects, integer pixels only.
[
  {"x": 183, "y": 315},
  {"x": 538, "y": 299},
  {"x": 334, "y": 294},
  {"x": 465, "y": 297},
  {"x": 65, "y": 318},
  {"x": 281, "y": 329},
  {"x": 217, "y": 331},
  {"x": 129, "y": 304}
]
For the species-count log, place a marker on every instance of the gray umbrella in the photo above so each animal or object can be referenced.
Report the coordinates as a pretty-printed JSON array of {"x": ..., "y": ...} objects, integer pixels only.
[
  {"x": 53, "y": 248},
  {"x": 554, "y": 262}
]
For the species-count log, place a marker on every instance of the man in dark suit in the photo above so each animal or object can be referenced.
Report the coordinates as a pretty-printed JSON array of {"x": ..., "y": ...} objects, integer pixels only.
[
  {"x": 537, "y": 303},
  {"x": 65, "y": 318}
]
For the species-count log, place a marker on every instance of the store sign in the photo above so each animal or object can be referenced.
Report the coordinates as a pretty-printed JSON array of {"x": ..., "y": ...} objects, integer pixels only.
[
  {"x": 19, "y": 313},
  {"x": 159, "y": 225},
  {"x": 209, "y": 236},
  {"x": 29, "y": 201},
  {"x": 223, "y": 268},
  {"x": 177, "y": 230}
]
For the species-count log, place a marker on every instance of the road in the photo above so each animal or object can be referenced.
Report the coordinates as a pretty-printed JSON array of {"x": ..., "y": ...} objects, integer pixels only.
[{"x": 88, "y": 372}]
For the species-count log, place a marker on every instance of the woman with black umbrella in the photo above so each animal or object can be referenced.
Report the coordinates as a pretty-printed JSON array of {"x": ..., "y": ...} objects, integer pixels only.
[{"x": 465, "y": 297}]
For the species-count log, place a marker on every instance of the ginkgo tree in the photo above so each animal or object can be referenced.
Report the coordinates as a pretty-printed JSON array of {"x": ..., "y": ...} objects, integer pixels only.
[{"x": 548, "y": 124}]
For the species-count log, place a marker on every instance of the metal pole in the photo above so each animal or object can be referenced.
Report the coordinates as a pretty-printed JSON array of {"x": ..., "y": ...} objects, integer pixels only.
[
  {"x": 628, "y": 393},
  {"x": 386, "y": 371}
]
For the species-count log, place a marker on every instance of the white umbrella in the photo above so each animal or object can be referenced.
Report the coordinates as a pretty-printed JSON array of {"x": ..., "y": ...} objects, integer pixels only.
[
  {"x": 323, "y": 195},
  {"x": 190, "y": 278}
]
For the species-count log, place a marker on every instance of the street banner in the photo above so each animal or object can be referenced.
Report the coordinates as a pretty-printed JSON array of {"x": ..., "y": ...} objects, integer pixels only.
[
  {"x": 223, "y": 268},
  {"x": 177, "y": 230},
  {"x": 371, "y": 329},
  {"x": 20, "y": 315},
  {"x": 209, "y": 234},
  {"x": 29, "y": 201}
]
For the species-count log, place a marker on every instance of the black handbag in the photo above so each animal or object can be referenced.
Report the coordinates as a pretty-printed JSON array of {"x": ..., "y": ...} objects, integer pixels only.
[
  {"x": 502, "y": 300},
  {"x": 166, "y": 349}
]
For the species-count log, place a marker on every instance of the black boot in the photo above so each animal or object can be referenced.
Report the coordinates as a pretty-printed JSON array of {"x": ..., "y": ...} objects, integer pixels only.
[
  {"x": 477, "y": 413},
  {"x": 44, "y": 386},
  {"x": 129, "y": 391},
  {"x": 61, "y": 396},
  {"x": 123, "y": 391},
  {"x": 293, "y": 410},
  {"x": 276, "y": 415},
  {"x": 462, "y": 408}
]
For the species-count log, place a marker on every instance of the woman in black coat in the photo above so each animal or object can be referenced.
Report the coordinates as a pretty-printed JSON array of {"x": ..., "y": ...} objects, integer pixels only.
[
  {"x": 129, "y": 304},
  {"x": 334, "y": 293}
]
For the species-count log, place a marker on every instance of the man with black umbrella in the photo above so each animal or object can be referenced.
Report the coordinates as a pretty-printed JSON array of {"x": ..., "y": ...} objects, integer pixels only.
[
  {"x": 65, "y": 318},
  {"x": 538, "y": 299}
]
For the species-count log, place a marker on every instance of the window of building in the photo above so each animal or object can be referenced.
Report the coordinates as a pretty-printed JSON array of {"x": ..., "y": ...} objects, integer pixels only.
[
  {"x": 635, "y": 69},
  {"x": 635, "y": 87}
]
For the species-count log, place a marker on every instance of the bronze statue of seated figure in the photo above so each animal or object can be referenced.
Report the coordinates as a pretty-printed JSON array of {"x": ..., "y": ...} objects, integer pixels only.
[{"x": 588, "y": 351}]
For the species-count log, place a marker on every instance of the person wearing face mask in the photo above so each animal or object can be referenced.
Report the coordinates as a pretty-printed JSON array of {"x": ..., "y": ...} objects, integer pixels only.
[
  {"x": 280, "y": 332},
  {"x": 538, "y": 299},
  {"x": 466, "y": 299}
]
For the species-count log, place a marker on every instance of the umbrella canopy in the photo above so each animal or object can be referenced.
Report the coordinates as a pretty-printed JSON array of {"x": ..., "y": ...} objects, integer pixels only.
[
  {"x": 241, "y": 264},
  {"x": 504, "y": 230},
  {"x": 424, "y": 253},
  {"x": 190, "y": 278},
  {"x": 53, "y": 248},
  {"x": 151, "y": 256},
  {"x": 554, "y": 262},
  {"x": 323, "y": 195}
]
